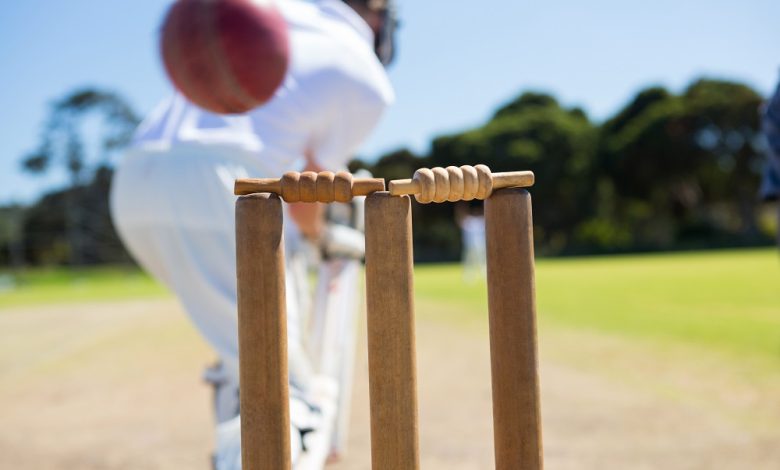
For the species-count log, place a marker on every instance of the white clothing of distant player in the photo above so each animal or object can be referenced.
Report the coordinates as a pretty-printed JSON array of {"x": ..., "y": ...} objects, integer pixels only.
[
  {"x": 172, "y": 197},
  {"x": 473, "y": 232}
]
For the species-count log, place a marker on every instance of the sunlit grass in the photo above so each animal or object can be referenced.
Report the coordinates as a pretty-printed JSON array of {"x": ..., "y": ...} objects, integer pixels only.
[
  {"x": 725, "y": 300},
  {"x": 61, "y": 285}
]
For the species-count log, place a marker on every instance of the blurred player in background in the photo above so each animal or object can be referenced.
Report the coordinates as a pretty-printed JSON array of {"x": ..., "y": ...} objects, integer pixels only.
[
  {"x": 173, "y": 205},
  {"x": 471, "y": 219}
]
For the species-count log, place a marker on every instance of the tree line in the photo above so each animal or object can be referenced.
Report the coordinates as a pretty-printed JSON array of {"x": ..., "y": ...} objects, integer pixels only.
[
  {"x": 72, "y": 226},
  {"x": 667, "y": 171}
]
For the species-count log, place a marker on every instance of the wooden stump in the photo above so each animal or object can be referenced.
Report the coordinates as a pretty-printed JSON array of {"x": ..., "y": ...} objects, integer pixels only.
[
  {"x": 391, "y": 337},
  {"x": 262, "y": 334},
  {"x": 512, "y": 306}
]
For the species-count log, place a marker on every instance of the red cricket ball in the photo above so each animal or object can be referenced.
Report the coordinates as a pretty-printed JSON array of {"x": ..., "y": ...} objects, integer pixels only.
[{"x": 226, "y": 56}]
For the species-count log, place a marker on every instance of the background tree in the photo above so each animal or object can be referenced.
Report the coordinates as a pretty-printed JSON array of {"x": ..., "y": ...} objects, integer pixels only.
[
  {"x": 685, "y": 168},
  {"x": 11, "y": 236},
  {"x": 666, "y": 171},
  {"x": 84, "y": 117},
  {"x": 726, "y": 128}
]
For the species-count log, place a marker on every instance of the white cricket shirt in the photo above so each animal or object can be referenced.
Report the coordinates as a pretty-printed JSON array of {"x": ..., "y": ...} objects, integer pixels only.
[{"x": 333, "y": 96}]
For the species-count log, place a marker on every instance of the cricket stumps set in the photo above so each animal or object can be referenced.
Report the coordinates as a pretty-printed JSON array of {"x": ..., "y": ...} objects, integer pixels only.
[{"x": 264, "y": 394}]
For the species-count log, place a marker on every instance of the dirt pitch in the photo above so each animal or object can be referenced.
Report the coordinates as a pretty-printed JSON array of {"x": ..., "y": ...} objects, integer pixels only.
[{"x": 117, "y": 386}]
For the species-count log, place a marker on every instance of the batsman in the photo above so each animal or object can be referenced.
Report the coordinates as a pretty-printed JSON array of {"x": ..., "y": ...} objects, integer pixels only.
[{"x": 263, "y": 88}]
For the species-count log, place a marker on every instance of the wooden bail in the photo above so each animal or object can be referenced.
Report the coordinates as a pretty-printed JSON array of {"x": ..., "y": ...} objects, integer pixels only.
[
  {"x": 463, "y": 183},
  {"x": 309, "y": 186}
]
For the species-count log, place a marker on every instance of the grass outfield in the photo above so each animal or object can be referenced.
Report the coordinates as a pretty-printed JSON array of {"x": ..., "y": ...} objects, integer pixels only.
[
  {"x": 60, "y": 285},
  {"x": 728, "y": 301},
  {"x": 725, "y": 300}
]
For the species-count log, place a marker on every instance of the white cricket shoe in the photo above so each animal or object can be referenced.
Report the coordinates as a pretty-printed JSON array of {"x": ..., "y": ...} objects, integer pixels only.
[{"x": 310, "y": 430}]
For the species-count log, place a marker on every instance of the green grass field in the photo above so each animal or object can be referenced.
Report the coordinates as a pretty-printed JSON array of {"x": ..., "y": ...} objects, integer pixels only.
[
  {"x": 725, "y": 300},
  {"x": 60, "y": 285},
  {"x": 728, "y": 301},
  {"x": 669, "y": 358}
]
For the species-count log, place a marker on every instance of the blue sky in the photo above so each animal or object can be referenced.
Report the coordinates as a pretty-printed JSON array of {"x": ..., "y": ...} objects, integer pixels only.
[{"x": 458, "y": 60}]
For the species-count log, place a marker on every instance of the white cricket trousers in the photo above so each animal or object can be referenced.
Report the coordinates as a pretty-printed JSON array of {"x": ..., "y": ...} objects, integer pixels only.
[{"x": 175, "y": 211}]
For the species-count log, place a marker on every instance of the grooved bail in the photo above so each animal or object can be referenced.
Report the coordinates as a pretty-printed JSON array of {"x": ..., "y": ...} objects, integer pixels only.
[
  {"x": 463, "y": 183},
  {"x": 309, "y": 186}
]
